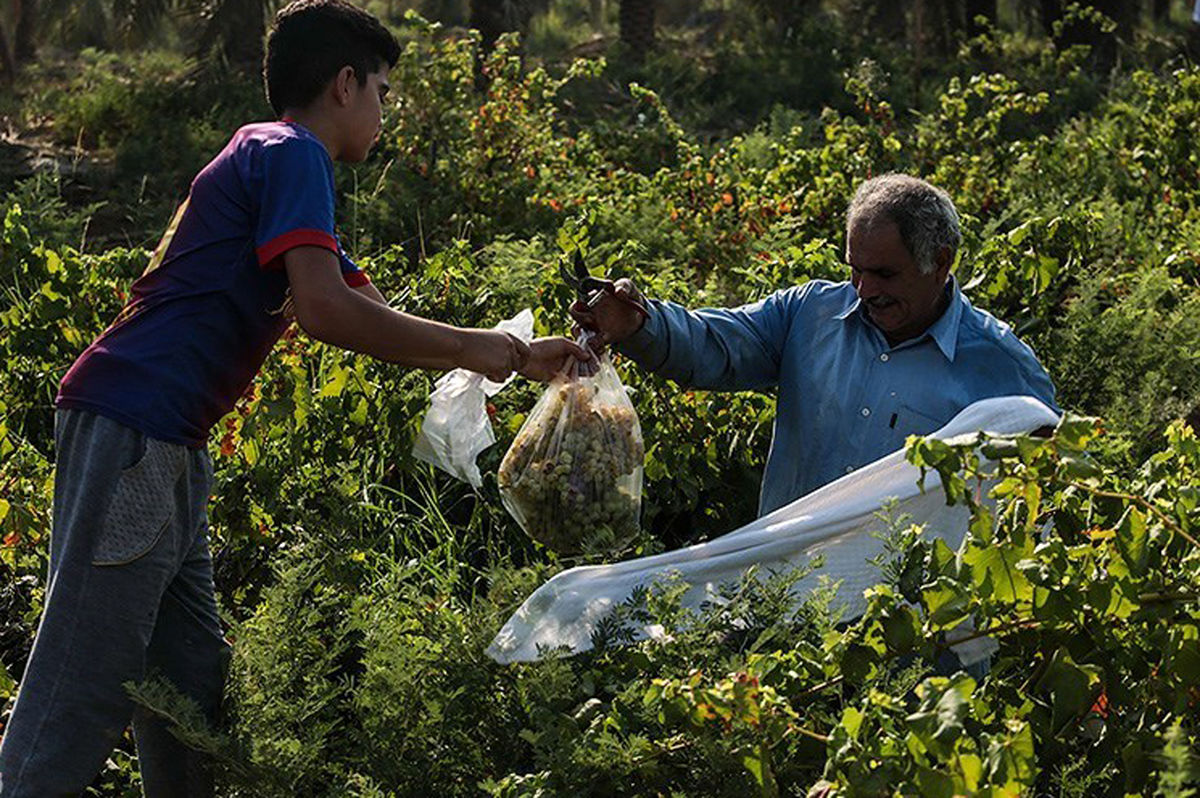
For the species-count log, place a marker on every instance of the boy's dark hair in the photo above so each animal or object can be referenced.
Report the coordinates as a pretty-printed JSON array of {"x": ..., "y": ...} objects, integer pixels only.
[{"x": 312, "y": 40}]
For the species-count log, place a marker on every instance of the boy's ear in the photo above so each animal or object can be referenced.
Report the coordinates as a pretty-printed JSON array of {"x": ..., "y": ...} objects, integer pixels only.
[{"x": 342, "y": 89}]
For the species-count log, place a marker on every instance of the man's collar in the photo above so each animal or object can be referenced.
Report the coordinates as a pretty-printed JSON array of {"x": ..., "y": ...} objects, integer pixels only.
[
  {"x": 944, "y": 331},
  {"x": 848, "y": 312}
]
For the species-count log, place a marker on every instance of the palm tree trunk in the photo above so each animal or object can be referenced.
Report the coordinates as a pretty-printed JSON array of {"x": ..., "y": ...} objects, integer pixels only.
[
  {"x": 26, "y": 34},
  {"x": 636, "y": 19},
  {"x": 245, "y": 47},
  {"x": 1104, "y": 46},
  {"x": 234, "y": 31},
  {"x": 6, "y": 55},
  {"x": 980, "y": 8},
  {"x": 1051, "y": 12},
  {"x": 1124, "y": 12},
  {"x": 488, "y": 17},
  {"x": 933, "y": 25},
  {"x": 887, "y": 19},
  {"x": 879, "y": 19}
]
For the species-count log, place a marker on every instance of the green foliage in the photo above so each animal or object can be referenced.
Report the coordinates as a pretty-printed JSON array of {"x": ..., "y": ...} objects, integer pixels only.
[
  {"x": 146, "y": 123},
  {"x": 1088, "y": 582}
]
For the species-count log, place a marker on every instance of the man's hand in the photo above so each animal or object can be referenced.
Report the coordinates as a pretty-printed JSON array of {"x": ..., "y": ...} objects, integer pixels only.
[
  {"x": 548, "y": 356},
  {"x": 612, "y": 318},
  {"x": 492, "y": 353}
]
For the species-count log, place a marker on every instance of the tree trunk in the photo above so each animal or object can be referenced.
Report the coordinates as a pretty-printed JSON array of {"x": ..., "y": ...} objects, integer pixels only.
[
  {"x": 887, "y": 19},
  {"x": 1051, "y": 12},
  {"x": 488, "y": 17},
  {"x": 26, "y": 34},
  {"x": 787, "y": 14},
  {"x": 636, "y": 18},
  {"x": 878, "y": 19},
  {"x": 245, "y": 48},
  {"x": 6, "y": 55},
  {"x": 1104, "y": 46},
  {"x": 234, "y": 33},
  {"x": 1125, "y": 13},
  {"x": 933, "y": 28},
  {"x": 980, "y": 8}
]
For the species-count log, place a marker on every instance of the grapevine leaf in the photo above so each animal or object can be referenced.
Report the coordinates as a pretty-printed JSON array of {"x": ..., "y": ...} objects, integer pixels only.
[
  {"x": 1009, "y": 585},
  {"x": 1131, "y": 540}
]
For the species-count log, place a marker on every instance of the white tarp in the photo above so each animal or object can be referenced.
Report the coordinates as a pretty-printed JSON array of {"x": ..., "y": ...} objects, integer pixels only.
[{"x": 836, "y": 521}]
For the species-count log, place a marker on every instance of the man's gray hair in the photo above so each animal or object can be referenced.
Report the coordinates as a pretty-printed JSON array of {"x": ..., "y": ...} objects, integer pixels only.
[{"x": 923, "y": 212}]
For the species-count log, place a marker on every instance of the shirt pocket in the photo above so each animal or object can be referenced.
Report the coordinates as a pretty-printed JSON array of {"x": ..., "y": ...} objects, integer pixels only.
[
  {"x": 142, "y": 505},
  {"x": 907, "y": 420}
]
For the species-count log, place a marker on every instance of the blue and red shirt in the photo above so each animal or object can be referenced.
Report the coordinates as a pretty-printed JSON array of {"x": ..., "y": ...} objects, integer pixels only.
[{"x": 211, "y": 304}]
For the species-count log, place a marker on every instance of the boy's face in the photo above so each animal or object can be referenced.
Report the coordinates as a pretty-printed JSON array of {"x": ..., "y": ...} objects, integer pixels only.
[{"x": 364, "y": 115}]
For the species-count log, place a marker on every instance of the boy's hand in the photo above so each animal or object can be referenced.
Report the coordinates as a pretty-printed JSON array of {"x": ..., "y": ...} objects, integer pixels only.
[
  {"x": 493, "y": 354},
  {"x": 547, "y": 356},
  {"x": 612, "y": 318}
]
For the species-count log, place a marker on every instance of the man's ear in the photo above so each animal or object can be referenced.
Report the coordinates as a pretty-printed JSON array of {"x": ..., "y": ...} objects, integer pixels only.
[
  {"x": 342, "y": 88},
  {"x": 943, "y": 261}
]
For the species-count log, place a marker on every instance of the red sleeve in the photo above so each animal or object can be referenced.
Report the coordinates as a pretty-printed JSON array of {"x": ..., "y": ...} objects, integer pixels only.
[{"x": 294, "y": 189}]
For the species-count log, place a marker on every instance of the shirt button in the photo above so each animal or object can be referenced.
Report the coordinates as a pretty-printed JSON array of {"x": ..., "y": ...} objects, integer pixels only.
[
  {"x": 884, "y": 357},
  {"x": 866, "y": 411},
  {"x": 849, "y": 469}
]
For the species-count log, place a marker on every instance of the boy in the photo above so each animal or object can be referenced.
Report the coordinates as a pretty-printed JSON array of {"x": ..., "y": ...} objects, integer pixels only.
[{"x": 130, "y": 586}]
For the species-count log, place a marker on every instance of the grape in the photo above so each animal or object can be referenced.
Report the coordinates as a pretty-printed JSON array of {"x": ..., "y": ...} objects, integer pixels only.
[{"x": 574, "y": 469}]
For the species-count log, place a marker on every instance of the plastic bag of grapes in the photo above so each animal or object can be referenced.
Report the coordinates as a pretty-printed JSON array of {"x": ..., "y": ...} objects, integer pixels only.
[{"x": 573, "y": 476}]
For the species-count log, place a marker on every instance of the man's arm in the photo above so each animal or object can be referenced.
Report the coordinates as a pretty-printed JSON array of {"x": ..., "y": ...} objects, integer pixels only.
[{"x": 722, "y": 349}]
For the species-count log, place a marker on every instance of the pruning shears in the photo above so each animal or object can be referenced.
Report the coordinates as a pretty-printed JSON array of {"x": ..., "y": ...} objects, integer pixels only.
[{"x": 590, "y": 290}]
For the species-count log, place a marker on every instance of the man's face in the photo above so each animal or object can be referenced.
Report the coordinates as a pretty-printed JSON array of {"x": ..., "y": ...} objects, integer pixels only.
[
  {"x": 364, "y": 114},
  {"x": 900, "y": 300}
]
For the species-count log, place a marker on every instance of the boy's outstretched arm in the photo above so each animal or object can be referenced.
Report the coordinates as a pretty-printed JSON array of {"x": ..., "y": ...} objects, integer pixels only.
[
  {"x": 371, "y": 292},
  {"x": 547, "y": 356},
  {"x": 355, "y": 319},
  {"x": 331, "y": 311}
]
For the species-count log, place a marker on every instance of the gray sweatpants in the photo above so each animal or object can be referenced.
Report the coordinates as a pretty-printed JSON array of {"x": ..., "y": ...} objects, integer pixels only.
[{"x": 129, "y": 595}]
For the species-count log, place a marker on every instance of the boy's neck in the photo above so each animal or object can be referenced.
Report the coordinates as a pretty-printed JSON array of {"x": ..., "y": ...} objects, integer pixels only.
[{"x": 318, "y": 124}]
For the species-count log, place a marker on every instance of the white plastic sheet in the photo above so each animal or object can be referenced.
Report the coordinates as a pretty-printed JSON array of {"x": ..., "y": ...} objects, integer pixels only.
[
  {"x": 836, "y": 521},
  {"x": 456, "y": 427}
]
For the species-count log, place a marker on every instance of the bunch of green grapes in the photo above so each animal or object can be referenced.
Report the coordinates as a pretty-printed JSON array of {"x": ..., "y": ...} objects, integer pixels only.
[{"x": 562, "y": 475}]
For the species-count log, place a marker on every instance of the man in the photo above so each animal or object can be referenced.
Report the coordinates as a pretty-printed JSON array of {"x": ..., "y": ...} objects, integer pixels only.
[{"x": 858, "y": 366}]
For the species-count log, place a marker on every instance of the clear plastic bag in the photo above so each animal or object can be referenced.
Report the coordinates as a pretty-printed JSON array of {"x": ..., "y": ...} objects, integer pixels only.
[
  {"x": 573, "y": 476},
  {"x": 456, "y": 427}
]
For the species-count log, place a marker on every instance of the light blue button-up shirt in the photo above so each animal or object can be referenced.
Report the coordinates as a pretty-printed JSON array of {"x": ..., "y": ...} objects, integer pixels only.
[{"x": 845, "y": 397}]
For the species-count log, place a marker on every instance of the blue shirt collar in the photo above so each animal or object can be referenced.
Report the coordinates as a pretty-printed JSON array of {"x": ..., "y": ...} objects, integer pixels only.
[{"x": 944, "y": 331}]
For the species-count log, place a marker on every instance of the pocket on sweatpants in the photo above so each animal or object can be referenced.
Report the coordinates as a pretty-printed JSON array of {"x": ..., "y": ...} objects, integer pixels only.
[{"x": 142, "y": 505}]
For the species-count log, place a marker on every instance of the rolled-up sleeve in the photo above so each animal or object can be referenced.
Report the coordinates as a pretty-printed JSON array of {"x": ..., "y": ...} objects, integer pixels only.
[{"x": 712, "y": 348}]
